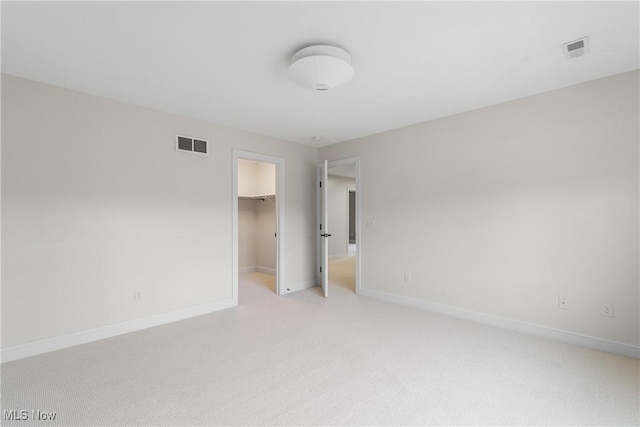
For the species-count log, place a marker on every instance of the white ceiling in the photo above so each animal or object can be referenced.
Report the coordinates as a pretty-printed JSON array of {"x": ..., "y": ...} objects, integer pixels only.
[{"x": 226, "y": 62}]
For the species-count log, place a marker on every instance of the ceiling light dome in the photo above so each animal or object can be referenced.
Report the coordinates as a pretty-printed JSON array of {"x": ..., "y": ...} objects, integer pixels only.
[{"x": 321, "y": 67}]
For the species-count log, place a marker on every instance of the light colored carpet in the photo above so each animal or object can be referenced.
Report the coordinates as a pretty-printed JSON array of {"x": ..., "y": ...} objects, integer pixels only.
[{"x": 301, "y": 359}]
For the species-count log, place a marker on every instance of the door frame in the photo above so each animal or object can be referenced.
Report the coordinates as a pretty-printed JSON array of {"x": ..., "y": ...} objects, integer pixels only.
[
  {"x": 280, "y": 217},
  {"x": 359, "y": 240}
]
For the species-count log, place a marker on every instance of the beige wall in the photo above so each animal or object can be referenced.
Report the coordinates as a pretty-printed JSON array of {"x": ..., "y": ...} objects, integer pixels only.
[
  {"x": 265, "y": 178},
  {"x": 247, "y": 178},
  {"x": 247, "y": 227},
  {"x": 337, "y": 190},
  {"x": 503, "y": 209},
  {"x": 96, "y": 203},
  {"x": 498, "y": 210},
  {"x": 256, "y": 235},
  {"x": 266, "y": 235},
  {"x": 256, "y": 178}
]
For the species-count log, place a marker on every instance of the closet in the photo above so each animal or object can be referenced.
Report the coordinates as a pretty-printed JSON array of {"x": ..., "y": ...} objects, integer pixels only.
[{"x": 257, "y": 217}]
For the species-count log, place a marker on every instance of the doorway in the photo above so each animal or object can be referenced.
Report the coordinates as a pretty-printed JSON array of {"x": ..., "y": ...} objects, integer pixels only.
[
  {"x": 351, "y": 218},
  {"x": 258, "y": 220},
  {"x": 339, "y": 222}
]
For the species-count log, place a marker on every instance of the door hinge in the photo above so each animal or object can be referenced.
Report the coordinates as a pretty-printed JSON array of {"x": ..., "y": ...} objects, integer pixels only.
[
  {"x": 320, "y": 269},
  {"x": 320, "y": 184}
]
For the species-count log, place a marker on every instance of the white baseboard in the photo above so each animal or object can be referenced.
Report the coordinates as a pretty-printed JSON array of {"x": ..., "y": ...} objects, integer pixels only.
[
  {"x": 338, "y": 256},
  {"x": 69, "y": 340},
  {"x": 622, "y": 349},
  {"x": 300, "y": 286},
  {"x": 259, "y": 268},
  {"x": 266, "y": 270}
]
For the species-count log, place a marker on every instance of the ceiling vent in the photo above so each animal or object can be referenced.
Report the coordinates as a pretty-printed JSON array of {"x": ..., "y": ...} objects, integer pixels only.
[
  {"x": 192, "y": 145},
  {"x": 576, "y": 48}
]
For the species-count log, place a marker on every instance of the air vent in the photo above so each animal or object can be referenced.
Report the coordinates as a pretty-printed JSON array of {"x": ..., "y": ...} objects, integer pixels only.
[
  {"x": 576, "y": 48},
  {"x": 192, "y": 145}
]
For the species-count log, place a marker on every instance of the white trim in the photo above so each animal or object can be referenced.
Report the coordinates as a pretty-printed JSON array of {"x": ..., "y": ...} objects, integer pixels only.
[
  {"x": 259, "y": 268},
  {"x": 46, "y": 345},
  {"x": 266, "y": 270},
  {"x": 595, "y": 343},
  {"x": 302, "y": 286},
  {"x": 280, "y": 214},
  {"x": 319, "y": 254}
]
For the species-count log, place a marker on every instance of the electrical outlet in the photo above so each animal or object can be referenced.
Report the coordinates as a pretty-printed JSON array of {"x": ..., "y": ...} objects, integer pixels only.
[
  {"x": 407, "y": 278},
  {"x": 606, "y": 310},
  {"x": 137, "y": 295},
  {"x": 371, "y": 223},
  {"x": 563, "y": 303}
]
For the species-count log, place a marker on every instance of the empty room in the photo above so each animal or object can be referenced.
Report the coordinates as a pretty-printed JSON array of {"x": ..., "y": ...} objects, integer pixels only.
[{"x": 320, "y": 213}]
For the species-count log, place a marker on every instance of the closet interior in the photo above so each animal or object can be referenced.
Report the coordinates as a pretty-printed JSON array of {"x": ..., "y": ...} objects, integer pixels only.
[{"x": 257, "y": 217}]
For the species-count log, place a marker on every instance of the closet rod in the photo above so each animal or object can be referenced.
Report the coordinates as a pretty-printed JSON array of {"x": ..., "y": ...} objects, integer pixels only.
[{"x": 263, "y": 198}]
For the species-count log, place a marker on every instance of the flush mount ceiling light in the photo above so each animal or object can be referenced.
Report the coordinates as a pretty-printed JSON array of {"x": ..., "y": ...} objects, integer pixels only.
[{"x": 321, "y": 67}]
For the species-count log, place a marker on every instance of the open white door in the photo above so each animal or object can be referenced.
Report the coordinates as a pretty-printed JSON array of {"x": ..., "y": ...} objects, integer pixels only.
[{"x": 323, "y": 228}]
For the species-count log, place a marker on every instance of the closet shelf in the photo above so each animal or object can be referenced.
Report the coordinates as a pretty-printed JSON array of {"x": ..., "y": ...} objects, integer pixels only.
[{"x": 263, "y": 198}]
